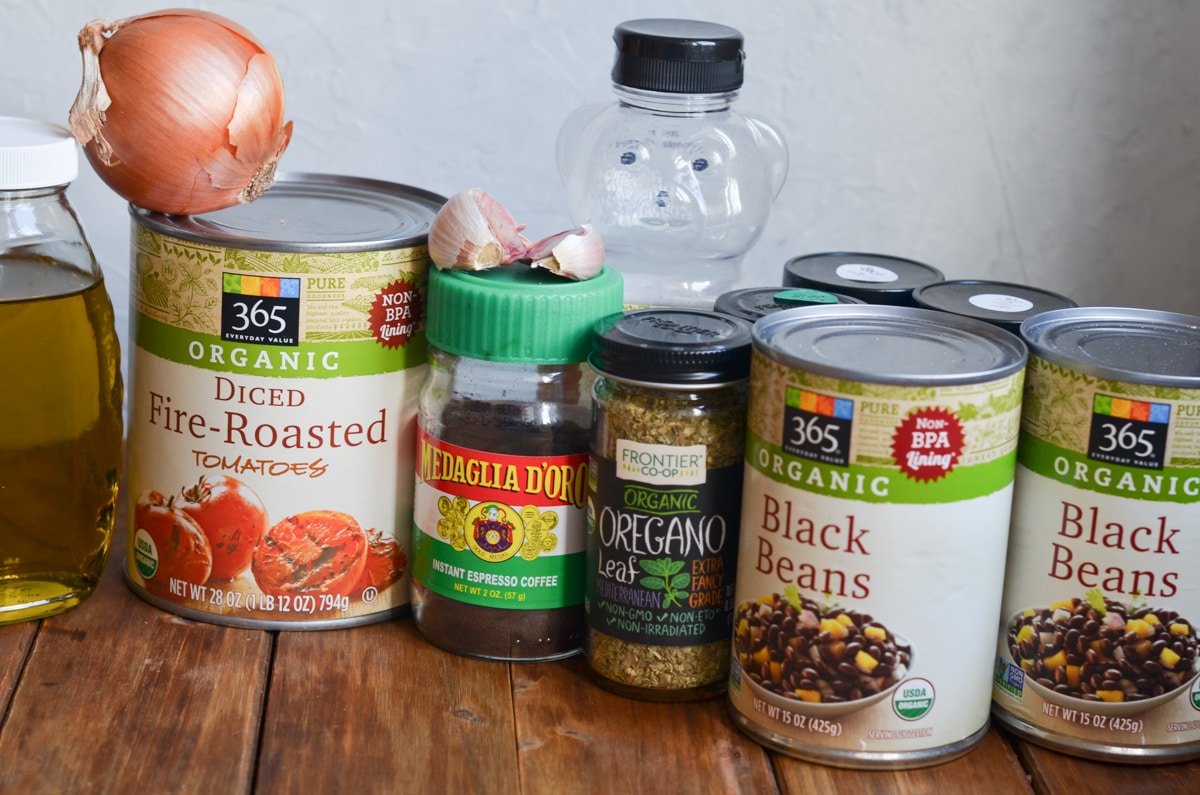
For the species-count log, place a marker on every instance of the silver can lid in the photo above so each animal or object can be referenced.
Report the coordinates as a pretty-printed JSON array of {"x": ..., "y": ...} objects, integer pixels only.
[
  {"x": 1142, "y": 346},
  {"x": 311, "y": 213},
  {"x": 889, "y": 345}
]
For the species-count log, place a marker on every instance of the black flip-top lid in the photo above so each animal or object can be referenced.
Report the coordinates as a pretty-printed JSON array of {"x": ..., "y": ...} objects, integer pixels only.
[
  {"x": 672, "y": 346},
  {"x": 678, "y": 56}
]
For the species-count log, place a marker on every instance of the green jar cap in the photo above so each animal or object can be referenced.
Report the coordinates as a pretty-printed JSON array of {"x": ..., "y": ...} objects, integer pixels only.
[{"x": 518, "y": 314}]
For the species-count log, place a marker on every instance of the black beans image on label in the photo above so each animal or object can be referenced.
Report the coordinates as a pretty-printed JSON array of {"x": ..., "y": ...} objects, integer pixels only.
[
  {"x": 1104, "y": 650},
  {"x": 796, "y": 648}
]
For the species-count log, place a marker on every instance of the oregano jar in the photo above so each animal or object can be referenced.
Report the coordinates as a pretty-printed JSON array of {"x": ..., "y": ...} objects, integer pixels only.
[{"x": 664, "y": 500}]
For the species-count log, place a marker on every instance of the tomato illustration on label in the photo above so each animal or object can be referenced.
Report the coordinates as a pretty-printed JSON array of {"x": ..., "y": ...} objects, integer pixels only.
[
  {"x": 385, "y": 563},
  {"x": 232, "y": 517},
  {"x": 171, "y": 545},
  {"x": 316, "y": 552}
]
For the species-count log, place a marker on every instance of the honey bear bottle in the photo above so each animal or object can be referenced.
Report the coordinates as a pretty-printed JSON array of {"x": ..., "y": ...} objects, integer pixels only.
[{"x": 678, "y": 183}]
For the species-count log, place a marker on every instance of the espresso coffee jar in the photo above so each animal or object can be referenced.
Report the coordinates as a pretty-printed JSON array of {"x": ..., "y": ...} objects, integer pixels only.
[{"x": 502, "y": 456}]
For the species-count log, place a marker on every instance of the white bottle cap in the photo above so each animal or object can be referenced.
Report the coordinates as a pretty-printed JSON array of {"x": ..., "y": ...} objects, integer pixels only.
[{"x": 36, "y": 154}]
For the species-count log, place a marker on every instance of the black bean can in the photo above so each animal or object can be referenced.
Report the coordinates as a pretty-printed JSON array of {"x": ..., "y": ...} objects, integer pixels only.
[{"x": 664, "y": 499}]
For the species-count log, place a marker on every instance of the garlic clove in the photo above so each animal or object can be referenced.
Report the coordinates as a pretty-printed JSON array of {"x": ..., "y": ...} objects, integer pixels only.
[
  {"x": 473, "y": 231},
  {"x": 576, "y": 254}
]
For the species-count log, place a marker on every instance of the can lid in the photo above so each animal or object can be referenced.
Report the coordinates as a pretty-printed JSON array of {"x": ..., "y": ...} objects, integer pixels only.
[
  {"x": 1142, "y": 346},
  {"x": 36, "y": 154},
  {"x": 678, "y": 56},
  {"x": 517, "y": 313},
  {"x": 672, "y": 346},
  {"x": 752, "y": 303},
  {"x": 311, "y": 213},
  {"x": 873, "y": 278},
  {"x": 890, "y": 345},
  {"x": 1004, "y": 303}
]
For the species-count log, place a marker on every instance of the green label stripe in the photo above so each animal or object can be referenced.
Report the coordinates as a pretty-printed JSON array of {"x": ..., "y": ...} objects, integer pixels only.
[
  {"x": 363, "y": 356},
  {"x": 877, "y": 484},
  {"x": 546, "y": 582},
  {"x": 1170, "y": 484}
]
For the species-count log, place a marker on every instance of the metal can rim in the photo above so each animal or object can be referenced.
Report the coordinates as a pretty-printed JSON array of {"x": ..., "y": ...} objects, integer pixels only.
[
  {"x": 207, "y": 227},
  {"x": 1008, "y": 351},
  {"x": 1040, "y": 334}
]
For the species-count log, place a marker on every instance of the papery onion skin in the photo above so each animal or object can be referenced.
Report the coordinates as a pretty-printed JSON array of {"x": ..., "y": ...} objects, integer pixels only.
[{"x": 180, "y": 111}]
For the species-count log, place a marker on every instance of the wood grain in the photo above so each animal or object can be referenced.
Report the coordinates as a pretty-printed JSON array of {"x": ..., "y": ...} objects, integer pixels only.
[
  {"x": 118, "y": 696},
  {"x": 14, "y": 647},
  {"x": 576, "y": 736},
  {"x": 990, "y": 768},
  {"x": 378, "y": 709},
  {"x": 1054, "y": 772}
]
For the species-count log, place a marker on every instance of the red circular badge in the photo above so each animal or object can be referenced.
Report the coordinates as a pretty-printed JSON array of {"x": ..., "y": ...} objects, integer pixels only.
[
  {"x": 927, "y": 443},
  {"x": 396, "y": 314}
]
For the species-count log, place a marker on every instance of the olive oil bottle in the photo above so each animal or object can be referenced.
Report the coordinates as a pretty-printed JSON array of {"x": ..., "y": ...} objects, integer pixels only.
[{"x": 60, "y": 384}]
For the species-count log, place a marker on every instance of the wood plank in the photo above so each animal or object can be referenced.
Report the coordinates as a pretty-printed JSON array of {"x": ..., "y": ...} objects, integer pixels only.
[
  {"x": 990, "y": 768},
  {"x": 378, "y": 709},
  {"x": 15, "y": 640},
  {"x": 118, "y": 696},
  {"x": 574, "y": 736},
  {"x": 1055, "y": 772}
]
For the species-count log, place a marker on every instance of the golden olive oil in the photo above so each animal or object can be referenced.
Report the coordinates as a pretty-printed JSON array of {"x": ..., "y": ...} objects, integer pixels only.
[{"x": 60, "y": 436}]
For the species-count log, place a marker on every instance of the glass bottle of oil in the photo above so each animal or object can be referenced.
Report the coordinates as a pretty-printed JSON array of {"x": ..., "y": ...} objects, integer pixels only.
[{"x": 60, "y": 405}]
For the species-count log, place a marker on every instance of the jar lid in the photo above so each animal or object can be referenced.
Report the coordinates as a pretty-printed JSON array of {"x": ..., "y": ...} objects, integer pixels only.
[
  {"x": 36, "y": 154},
  {"x": 517, "y": 313},
  {"x": 678, "y": 56},
  {"x": 672, "y": 346},
  {"x": 1003, "y": 303},
  {"x": 752, "y": 303},
  {"x": 874, "y": 278}
]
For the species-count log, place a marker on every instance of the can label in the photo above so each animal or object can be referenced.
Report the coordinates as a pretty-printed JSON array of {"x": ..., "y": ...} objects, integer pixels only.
[
  {"x": 496, "y": 530},
  {"x": 1097, "y": 644},
  {"x": 272, "y": 423},
  {"x": 873, "y": 534}
]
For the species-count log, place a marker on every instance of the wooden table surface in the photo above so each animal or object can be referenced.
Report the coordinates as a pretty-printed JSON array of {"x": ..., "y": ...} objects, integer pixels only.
[{"x": 117, "y": 696}]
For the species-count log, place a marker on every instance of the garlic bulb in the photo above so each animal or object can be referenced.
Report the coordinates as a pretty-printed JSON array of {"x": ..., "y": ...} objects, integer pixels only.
[
  {"x": 474, "y": 232},
  {"x": 577, "y": 254}
]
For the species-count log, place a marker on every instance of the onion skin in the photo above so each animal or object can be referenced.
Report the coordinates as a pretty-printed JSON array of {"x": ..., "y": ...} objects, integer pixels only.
[{"x": 180, "y": 111}]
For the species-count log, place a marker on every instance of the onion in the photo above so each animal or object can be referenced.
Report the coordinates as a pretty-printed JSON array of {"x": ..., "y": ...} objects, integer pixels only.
[{"x": 180, "y": 111}]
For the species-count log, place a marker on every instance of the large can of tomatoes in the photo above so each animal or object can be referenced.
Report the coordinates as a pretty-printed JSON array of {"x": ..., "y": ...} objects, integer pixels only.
[{"x": 277, "y": 351}]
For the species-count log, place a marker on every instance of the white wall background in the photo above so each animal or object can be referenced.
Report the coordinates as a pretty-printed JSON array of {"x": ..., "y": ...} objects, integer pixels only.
[{"x": 1048, "y": 143}]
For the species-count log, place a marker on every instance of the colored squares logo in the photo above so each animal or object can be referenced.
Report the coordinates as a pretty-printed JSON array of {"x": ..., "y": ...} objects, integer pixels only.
[
  {"x": 261, "y": 286},
  {"x": 821, "y": 405},
  {"x": 1126, "y": 409}
]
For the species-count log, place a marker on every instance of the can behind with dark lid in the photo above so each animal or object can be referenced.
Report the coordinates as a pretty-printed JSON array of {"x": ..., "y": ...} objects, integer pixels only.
[
  {"x": 754, "y": 302},
  {"x": 1005, "y": 304},
  {"x": 871, "y": 278},
  {"x": 880, "y": 449},
  {"x": 278, "y": 348},
  {"x": 1097, "y": 651}
]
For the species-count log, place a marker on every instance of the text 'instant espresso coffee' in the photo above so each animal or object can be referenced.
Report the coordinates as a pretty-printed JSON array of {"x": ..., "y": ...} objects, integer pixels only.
[
  {"x": 1098, "y": 654},
  {"x": 278, "y": 348},
  {"x": 880, "y": 449}
]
